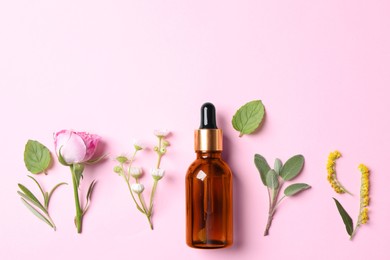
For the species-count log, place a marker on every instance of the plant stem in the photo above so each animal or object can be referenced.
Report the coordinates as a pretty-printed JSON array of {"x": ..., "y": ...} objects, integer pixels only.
[
  {"x": 79, "y": 212},
  {"x": 147, "y": 213},
  {"x": 272, "y": 208},
  {"x": 152, "y": 196}
]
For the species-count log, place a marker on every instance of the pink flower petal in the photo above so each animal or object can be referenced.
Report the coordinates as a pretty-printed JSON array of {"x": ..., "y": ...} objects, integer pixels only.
[
  {"x": 74, "y": 150},
  {"x": 91, "y": 141}
]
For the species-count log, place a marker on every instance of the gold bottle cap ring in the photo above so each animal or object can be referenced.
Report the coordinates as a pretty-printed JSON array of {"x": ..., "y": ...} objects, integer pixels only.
[{"x": 208, "y": 140}]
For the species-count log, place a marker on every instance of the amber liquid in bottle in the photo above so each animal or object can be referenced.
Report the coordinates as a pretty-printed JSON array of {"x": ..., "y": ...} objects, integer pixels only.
[{"x": 209, "y": 195}]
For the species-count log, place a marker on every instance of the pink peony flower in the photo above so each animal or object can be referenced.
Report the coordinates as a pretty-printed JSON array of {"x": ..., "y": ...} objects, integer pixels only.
[{"x": 76, "y": 147}]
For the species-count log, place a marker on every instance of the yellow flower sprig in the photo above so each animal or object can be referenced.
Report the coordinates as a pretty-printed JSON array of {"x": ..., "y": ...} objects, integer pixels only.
[
  {"x": 364, "y": 197},
  {"x": 332, "y": 177},
  {"x": 364, "y": 202}
]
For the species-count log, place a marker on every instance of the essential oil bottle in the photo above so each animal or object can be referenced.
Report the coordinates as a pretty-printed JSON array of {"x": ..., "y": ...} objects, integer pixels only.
[{"x": 209, "y": 188}]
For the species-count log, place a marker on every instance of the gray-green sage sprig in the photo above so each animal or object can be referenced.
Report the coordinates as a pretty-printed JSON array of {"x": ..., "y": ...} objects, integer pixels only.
[
  {"x": 274, "y": 179},
  {"x": 132, "y": 174}
]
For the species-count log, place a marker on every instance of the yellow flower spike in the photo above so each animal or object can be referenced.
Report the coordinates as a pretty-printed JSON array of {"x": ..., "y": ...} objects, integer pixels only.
[
  {"x": 364, "y": 197},
  {"x": 332, "y": 178}
]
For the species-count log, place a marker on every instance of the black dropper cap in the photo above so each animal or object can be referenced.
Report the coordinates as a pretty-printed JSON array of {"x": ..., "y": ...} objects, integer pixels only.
[
  {"x": 208, "y": 137},
  {"x": 207, "y": 116}
]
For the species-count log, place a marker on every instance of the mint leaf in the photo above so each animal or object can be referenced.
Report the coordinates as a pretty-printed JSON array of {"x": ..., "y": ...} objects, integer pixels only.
[
  {"x": 292, "y": 167},
  {"x": 348, "y": 222},
  {"x": 36, "y": 157},
  {"x": 296, "y": 188},
  {"x": 248, "y": 118}
]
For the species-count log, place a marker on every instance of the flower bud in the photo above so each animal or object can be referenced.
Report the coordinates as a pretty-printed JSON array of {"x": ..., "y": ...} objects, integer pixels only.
[
  {"x": 138, "y": 145},
  {"x": 136, "y": 172},
  {"x": 157, "y": 174},
  {"x": 118, "y": 169},
  {"x": 161, "y": 132},
  {"x": 137, "y": 188},
  {"x": 122, "y": 159}
]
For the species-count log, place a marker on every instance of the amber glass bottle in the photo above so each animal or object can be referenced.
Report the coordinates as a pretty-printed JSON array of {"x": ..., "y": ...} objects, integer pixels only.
[{"x": 209, "y": 195}]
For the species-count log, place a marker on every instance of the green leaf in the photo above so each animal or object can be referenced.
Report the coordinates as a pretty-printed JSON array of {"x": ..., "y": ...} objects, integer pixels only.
[
  {"x": 348, "y": 222},
  {"x": 31, "y": 197},
  {"x": 296, "y": 188},
  {"x": 89, "y": 196},
  {"x": 77, "y": 170},
  {"x": 248, "y": 118},
  {"x": 292, "y": 167},
  {"x": 36, "y": 157},
  {"x": 263, "y": 167},
  {"x": 51, "y": 192},
  {"x": 278, "y": 165},
  {"x": 96, "y": 160},
  {"x": 37, "y": 213},
  {"x": 272, "y": 180},
  {"x": 43, "y": 193},
  {"x": 24, "y": 196}
]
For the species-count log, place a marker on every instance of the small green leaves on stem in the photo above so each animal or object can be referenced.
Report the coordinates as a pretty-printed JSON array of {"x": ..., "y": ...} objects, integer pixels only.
[
  {"x": 37, "y": 157},
  {"x": 248, "y": 118},
  {"x": 292, "y": 167},
  {"x": 296, "y": 188},
  {"x": 274, "y": 179},
  {"x": 40, "y": 210},
  {"x": 348, "y": 222}
]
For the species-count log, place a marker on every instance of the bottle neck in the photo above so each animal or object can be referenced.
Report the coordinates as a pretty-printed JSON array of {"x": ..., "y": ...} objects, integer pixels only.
[{"x": 208, "y": 154}]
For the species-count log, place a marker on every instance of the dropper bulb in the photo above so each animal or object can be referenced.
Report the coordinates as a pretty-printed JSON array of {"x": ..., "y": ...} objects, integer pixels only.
[{"x": 207, "y": 117}]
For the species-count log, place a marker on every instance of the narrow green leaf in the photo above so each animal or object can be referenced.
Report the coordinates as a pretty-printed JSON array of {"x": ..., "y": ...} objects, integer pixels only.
[
  {"x": 348, "y": 222},
  {"x": 36, "y": 157},
  {"x": 278, "y": 165},
  {"x": 89, "y": 196},
  {"x": 272, "y": 180},
  {"x": 37, "y": 213},
  {"x": 263, "y": 167},
  {"x": 51, "y": 192},
  {"x": 296, "y": 188},
  {"x": 97, "y": 160},
  {"x": 292, "y": 167},
  {"x": 248, "y": 118},
  {"x": 32, "y": 201},
  {"x": 43, "y": 193},
  {"x": 61, "y": 158},
  {"x": 31, "y": 196},
  {"x": 46, "y": 199},
  {"x": 78, "y": 169}
]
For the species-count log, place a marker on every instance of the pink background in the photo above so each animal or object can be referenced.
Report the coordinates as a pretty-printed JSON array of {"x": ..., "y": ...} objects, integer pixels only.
[{"x": 123, "y": 68}]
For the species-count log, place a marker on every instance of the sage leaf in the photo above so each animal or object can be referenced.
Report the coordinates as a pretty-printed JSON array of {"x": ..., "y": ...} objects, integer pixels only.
[
  {"x": 296, "y": 188},
  {"x": 36, "y": 157},
  {"x": 278, "y": 165},
  {"x": 272, "y": 180},
  {"x": 248, "y": 118},
  {"x": 37, "y": 213},
  {"x": 263, "y": 167},
  {"x": 292, "y": 167},
  {"x": 348, "y": 222}
]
